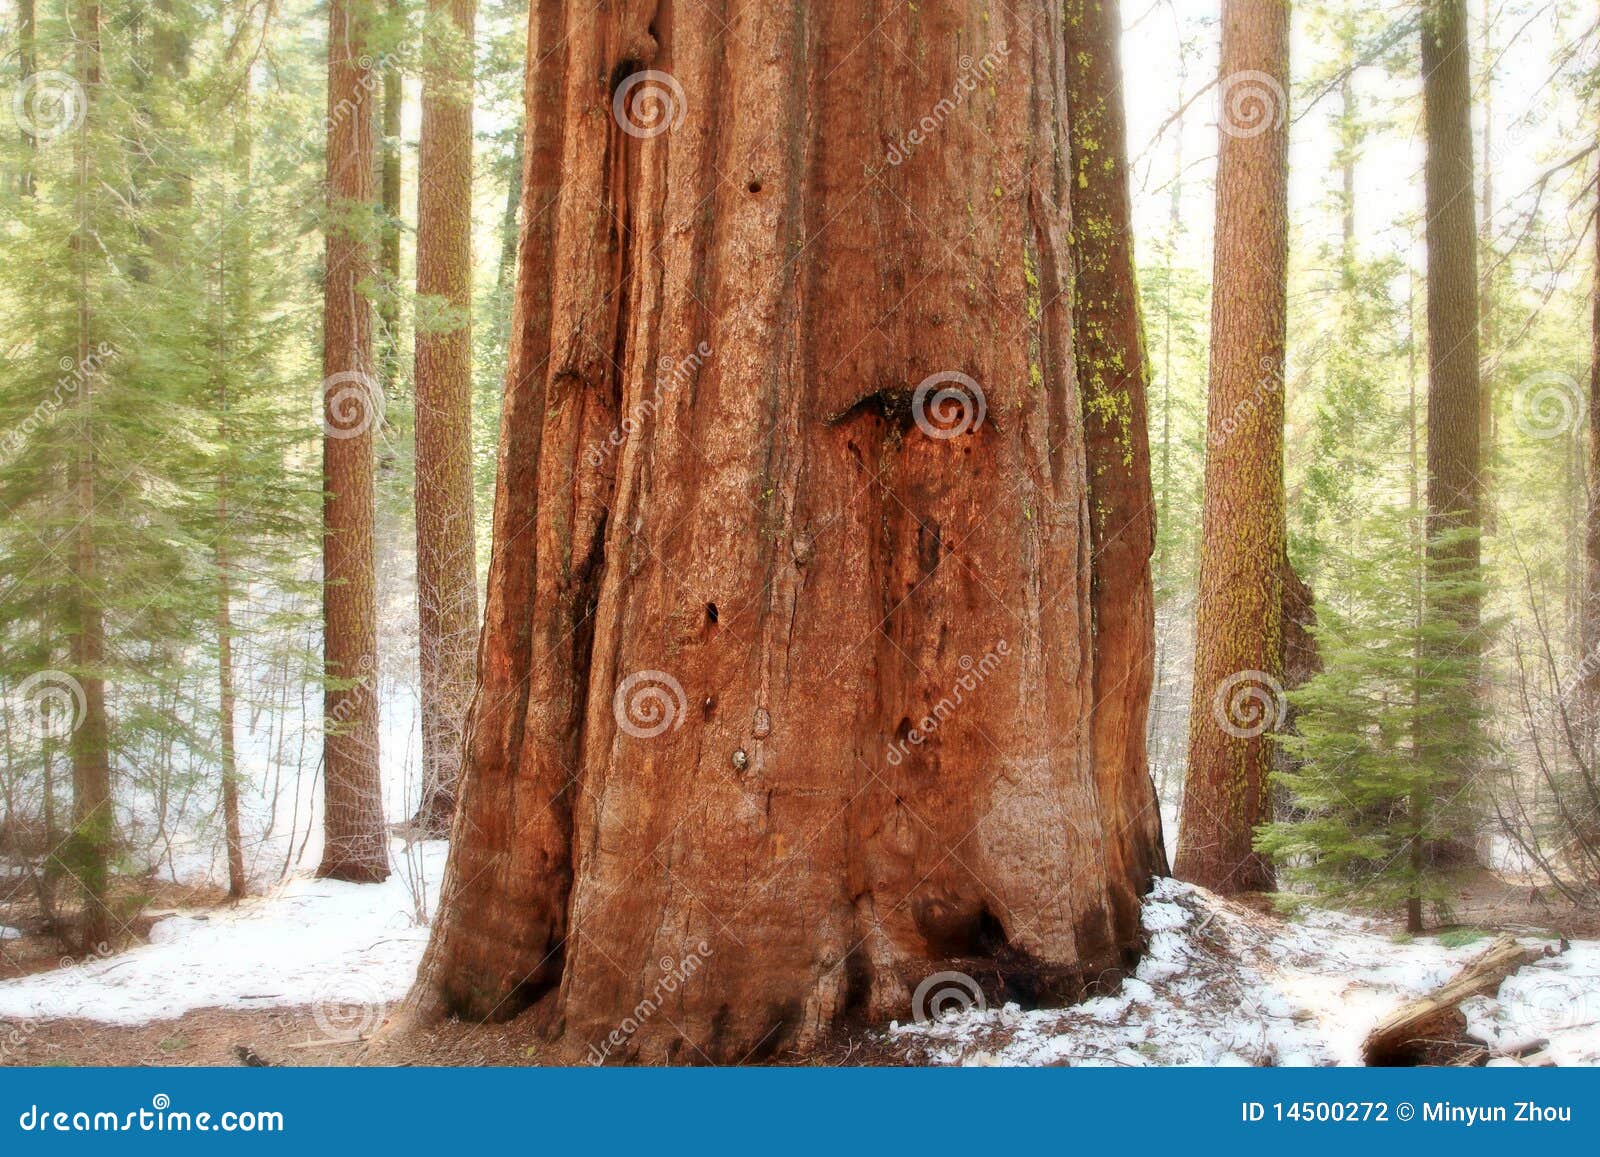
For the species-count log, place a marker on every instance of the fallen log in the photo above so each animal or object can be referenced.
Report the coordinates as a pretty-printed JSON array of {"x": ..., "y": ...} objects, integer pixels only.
[{"x": 1415, "y": 1031}]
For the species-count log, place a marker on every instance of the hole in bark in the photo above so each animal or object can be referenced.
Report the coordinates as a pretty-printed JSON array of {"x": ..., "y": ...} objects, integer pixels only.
[
  {"x": 711, "y": 612},
  {"x": 709, "y": 707},
  {"x": 755, "y": 185},
  {"x": 959, "y": 928},
  {"x": 623, "y": 70}
]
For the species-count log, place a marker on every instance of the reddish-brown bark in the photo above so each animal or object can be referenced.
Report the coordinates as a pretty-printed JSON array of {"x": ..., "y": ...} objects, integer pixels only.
[
  {"x": 1454, "y": 455},
  {"x": 1238, "y": 675},
  {"x": 447, "y": 583},
  {"x": 1113, "y": 378},
  {"x": 714, "y": 483},
  {"x": 355, "y": 843},
  {"x": 1454, "y": 398}
]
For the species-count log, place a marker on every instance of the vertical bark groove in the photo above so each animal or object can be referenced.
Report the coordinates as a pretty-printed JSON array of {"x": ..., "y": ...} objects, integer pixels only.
[{"x": 1114, "y": 379}]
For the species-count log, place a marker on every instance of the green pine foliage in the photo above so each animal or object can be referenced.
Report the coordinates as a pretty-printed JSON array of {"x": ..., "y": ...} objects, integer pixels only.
[{"x": 1379, "y": 772}]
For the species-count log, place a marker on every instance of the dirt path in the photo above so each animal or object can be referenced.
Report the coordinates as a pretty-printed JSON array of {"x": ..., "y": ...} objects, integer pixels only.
[{"x": 223, "y": 1037}]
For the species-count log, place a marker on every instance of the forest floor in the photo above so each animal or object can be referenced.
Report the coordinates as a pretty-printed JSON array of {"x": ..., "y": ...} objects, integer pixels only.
[{"x": 302, "y": 975}]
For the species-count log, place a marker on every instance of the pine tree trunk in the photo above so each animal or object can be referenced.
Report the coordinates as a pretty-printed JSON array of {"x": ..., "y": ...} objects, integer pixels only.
[
  {"x": 508, "y": 218},
  {"x": 1454, "y": 398},
  {"x": 447, "y": 585},
  {"x": 1238, "y": 689},
  {"x": 355, "y": 842},
  {"x": 1590, "y": 615},
  {"x": 390, "y": 110},
  {"x": 27, "y": 65},
  {"x": 94, "y": 827},
  {"x": 1113, "y": 380},
  {"x": 785, "y": 688},
  {"x": 226, "y": 701}
]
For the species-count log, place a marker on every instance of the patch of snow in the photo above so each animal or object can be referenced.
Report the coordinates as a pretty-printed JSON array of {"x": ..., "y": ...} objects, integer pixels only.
[
  {"x": 309, "y": 942},
  {"x": 10, "y": 933},
  {"x": 1223, "y": 985}
]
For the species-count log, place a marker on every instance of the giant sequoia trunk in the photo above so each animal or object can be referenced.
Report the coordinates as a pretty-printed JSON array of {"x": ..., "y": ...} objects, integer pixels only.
[
  {"x": 1113, "y": 381},
  {"x": 355, "y": 843},
  {"x": 1238, "y": 672},
  {"x": 785, "y": 688},
  {"x": 447, "y": 575}
]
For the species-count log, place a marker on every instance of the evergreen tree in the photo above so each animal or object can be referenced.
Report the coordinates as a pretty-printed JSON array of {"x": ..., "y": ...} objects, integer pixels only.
[{"x": 1381, "y": 762}]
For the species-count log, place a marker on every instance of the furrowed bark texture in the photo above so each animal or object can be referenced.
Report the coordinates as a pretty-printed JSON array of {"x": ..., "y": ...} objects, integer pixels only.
[
  {"x": 447, "y": 582},
  {"x": 1454, "y": 485},
  {"x": 1590, "y": 618},
  {"x": 1239, "y": 619},
  {"x": 355, "y": 843},
  {"x": 1113, "y": 380},
  {"x": 869, "y": 754}
]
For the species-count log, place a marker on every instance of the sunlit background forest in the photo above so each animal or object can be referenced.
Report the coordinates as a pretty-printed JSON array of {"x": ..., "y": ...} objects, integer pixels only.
[{"x": 201, "y": 177}]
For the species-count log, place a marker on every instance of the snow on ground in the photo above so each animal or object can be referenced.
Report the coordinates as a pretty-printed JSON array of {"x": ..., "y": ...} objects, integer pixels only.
[
  {"x": 331, "y": 945},
  {"x": 1222, "y": 985}
]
